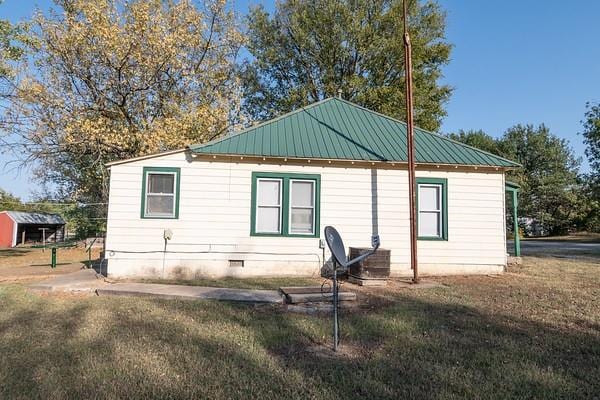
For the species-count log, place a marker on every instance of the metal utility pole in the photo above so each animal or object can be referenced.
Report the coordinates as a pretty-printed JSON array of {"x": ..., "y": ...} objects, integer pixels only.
[{"x": 410, "y": 141}]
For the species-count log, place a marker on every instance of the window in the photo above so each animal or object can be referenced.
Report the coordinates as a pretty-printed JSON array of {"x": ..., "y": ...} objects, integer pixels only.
[
  {"x": 285, "y": 205},
  {"x": 302, "y": 207},
  {"x": 160, "y": 192},
  {"x": 268, "y": 206},
  {"x": 432, "y": 206}
]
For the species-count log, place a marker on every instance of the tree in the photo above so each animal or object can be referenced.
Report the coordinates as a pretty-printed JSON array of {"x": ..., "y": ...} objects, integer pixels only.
[
  {"x": 8, "y": 202},
  {"x": 550, "y": 189},
  {"x": 591, "y": 137},
  {"x": 10, "y": 50},
  {"x": 478, "y": 139},
  {"x": 308, "y": 50},
  {"x": 113, "y": 79},
  {"x": 12, "y": 41}
]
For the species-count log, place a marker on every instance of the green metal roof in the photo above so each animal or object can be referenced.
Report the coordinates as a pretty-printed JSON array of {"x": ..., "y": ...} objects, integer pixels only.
[{"x": 338, "y": 129}]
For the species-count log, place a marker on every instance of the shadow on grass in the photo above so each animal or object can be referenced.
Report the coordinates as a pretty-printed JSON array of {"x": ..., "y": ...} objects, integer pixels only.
[
  {"x": 5, "y": 253},
  {"x": 407, "y": 348}
]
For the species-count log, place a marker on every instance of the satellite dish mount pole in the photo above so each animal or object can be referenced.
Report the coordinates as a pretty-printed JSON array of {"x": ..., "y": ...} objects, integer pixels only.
[{"x": 336, "y": 335}]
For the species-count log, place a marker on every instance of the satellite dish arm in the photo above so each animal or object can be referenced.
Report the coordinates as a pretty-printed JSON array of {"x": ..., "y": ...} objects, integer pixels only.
[{"x": 375, "y": 242}]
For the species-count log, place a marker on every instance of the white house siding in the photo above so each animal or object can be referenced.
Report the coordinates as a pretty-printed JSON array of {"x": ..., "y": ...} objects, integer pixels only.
[{"x": 214, "y": 222}]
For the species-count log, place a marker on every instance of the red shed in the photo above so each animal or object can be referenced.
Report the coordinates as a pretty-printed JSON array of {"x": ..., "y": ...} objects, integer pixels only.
[{"x": 17, "y": 227}]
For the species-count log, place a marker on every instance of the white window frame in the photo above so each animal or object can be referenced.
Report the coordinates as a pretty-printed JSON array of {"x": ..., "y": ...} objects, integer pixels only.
[
  {"x": 280, "y": 206},
  {"x": 148, "y": 193},
  {"x": 313, "y": 208},
  {"x": 439, "y": 211}
]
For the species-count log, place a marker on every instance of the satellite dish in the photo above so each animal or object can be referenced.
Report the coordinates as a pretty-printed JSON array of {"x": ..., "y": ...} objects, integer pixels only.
[{"x": 338, "y": 251}]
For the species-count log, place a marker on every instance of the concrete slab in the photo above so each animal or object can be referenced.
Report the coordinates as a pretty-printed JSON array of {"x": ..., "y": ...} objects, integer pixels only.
[
  {"x": 367, "y": 282},
  {"x": 82, "y": 280},
  {"x": 190, "y": 292}
]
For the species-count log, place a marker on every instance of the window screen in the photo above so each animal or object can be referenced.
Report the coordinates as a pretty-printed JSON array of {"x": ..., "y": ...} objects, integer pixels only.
[
  {"x": 430, "y": 210},
  {"x": 268, "y": 206},
  {"x": 160, "y": 194},
  {"x": 302, "y": 207}
]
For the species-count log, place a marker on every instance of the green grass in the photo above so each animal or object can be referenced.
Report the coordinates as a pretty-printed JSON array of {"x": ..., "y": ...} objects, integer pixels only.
[{"x": 531, "y": 333}]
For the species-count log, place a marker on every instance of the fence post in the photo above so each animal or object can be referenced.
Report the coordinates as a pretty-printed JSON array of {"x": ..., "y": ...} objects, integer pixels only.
[{"x": 53, "y": 264}]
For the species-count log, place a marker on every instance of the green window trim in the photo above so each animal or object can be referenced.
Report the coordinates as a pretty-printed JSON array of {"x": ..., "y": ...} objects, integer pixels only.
[
  {"x": 172, "y": 170},
  {"x": 444, "y": 208},
  {"x": 284, "y": 215}
]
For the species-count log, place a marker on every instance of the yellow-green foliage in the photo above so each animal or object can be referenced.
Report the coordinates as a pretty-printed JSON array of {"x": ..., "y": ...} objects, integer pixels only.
[{"x": 111, "y": 79}]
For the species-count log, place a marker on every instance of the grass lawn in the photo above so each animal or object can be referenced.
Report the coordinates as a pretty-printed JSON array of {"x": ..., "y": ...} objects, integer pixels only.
[
  {"x": 22, "y": 264},
  {"x": 531, "y": 333}
]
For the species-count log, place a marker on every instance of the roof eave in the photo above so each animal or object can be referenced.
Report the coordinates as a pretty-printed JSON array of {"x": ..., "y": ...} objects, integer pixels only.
[
  {"x": 140, "y": 158},
  {"x": 316, "y": 160}
]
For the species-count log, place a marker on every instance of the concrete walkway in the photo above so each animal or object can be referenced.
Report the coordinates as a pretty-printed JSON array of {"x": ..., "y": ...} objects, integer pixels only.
[
  {"x": 82, "y": 280},
  {"x": 189, "y": 292},
  {"x": 89, "y": 280}
]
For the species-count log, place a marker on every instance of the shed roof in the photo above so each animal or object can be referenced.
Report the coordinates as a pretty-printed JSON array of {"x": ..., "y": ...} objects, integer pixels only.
[
  {"x": 338, "y": 129},
  {"x": 22, "y": 217}
]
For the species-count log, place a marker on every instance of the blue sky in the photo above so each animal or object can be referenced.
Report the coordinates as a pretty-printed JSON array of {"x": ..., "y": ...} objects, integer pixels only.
[{"x": 514, "y": 61}]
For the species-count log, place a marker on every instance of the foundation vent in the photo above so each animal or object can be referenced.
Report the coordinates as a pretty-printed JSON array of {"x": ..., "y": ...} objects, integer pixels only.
[{"x": 236, "y": 263}]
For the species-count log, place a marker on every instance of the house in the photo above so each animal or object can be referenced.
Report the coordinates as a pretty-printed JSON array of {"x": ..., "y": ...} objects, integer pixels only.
[
  {"x": 18, "y": 227},
  {"x": 256, "y": 203}
]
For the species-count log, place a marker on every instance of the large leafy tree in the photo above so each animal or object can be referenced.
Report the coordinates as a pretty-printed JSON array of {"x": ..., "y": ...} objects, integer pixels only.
[
  {"x": 478, "y": 139},
  {"x": 308, "y": 50},
  {"x": 552, "y": 192},
  {"x": 10, "y": 49},
  {"x": 591, "y": 137},
  {"x": 12, "y": 41},
  {"x": 113, "y": 79},
  {"x": 10, "y": 202},
  {"x": 550, "y": 188}
]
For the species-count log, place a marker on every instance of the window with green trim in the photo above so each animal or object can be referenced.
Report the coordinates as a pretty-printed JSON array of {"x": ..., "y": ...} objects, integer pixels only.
[
  {"x": 285, "y": 204},
  {"x": 160, "y": 192},
  {"x": 432, "y": 209}
]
